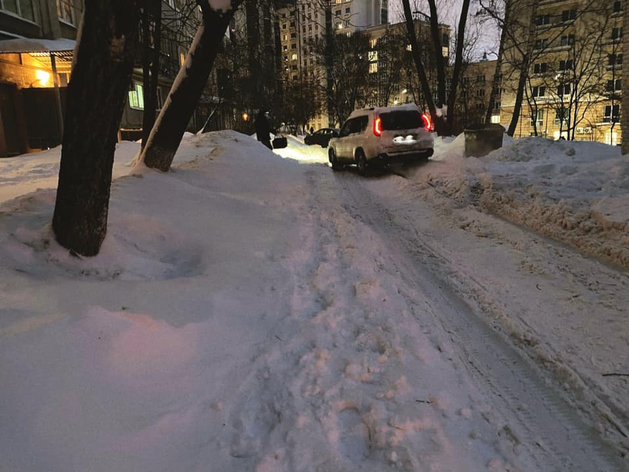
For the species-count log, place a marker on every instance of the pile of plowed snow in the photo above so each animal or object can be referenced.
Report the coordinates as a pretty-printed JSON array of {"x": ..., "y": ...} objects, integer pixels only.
[{"x": 576, "y": 192}]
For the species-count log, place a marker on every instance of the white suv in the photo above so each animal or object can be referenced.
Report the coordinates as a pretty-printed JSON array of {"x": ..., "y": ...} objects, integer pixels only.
[{"x": 382, "y": 136}]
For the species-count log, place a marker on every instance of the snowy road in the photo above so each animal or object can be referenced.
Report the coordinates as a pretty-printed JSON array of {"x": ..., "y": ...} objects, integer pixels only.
[
  {"x": 541, "y": 423},
  {"x": 252, "y": 313}
]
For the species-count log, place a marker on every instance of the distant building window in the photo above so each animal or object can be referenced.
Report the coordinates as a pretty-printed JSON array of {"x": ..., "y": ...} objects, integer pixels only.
[
  {"x": 541, "y": 43},
  {"x": 615, "y": 59},
  {"x": 567, "y": 40},
  {"x": 23, "y": 8},
  {"x": 568, "y": 15},
  {"x": 373, "y": 67},
  {"x": 537, "y": 118},
  {"x": 612, "y": 114},
  {"x": 563, "y": 89},
  {"x": 565, "y": 65},
  {"x": 614, "y": 85},
  {"x": 136, "y": 97},
  {"x": 539, "y": 91},
  {"x": 541, "y": 20},
  {"x": 495, "y": 119},
  {"x": 616, "y": 33},
  {"x": 67, "y": 11},
  {"x": 617, "y": 7},
  {"x": 540, "y": 68}
]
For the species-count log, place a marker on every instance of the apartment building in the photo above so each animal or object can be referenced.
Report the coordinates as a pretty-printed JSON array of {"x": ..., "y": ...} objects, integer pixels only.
[
  {"x": 575, "y": 74},
  {"x": 475, "y": 92},
  {"x": 302, "y": 22},
  {"x": 36, "y": 51},
  {"x": 392, "y": 70}
]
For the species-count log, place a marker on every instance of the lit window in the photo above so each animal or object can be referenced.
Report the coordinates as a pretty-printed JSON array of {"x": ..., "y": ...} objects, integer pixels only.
[
  {"x": 373, "y": 67},
  {"x": 495, "y": 119},
  {"x": 136, "y": 97}
]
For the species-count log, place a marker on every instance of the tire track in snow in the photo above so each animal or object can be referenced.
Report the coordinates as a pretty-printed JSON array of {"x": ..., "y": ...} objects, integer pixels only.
[{"x": 543, "y": 421}]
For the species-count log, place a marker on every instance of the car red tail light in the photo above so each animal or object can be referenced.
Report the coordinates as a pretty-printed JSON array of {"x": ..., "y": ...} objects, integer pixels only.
[
  {"x": 427, "y": 122},
  {"x": 377, "y": 127}
]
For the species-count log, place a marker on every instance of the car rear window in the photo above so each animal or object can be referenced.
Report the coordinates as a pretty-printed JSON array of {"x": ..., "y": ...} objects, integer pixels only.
[{"x": 403, "y": 119}]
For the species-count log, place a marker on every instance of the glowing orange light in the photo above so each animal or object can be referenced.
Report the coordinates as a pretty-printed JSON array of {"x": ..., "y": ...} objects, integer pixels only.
[
  {"x": 377, "y": 126},
  {"x": 427, "y": 122}
]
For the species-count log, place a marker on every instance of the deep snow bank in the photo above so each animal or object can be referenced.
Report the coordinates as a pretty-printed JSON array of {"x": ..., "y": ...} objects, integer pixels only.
[{"x": 576, "y": 192}]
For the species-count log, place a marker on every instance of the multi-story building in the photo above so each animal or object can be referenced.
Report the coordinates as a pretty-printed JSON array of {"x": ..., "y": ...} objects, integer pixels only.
[
  {"x": 36, "y": 51},
  {"x": 392, "y": 70},
  {"x": 302, "y": 23},
  {"x": 475, "y": 91},
  {"x": 574, "y": 86}
]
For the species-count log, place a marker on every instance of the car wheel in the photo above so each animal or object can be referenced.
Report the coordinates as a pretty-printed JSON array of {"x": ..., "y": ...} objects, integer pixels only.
[
  {"x": 333, "y": 160},
  {"x": 361, "y": 162}
]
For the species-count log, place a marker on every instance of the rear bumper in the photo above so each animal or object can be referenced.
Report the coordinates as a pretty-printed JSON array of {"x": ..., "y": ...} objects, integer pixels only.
[{"x": 402, "y": 156}]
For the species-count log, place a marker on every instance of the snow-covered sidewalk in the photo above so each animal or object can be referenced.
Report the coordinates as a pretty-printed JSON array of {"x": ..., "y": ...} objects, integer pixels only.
[
  {"x": 575, "y": 192},
  {"x": 256, "y": 313}
]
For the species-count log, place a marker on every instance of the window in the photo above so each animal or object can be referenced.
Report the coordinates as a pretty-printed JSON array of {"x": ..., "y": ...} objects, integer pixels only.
[
  {"x": 495, "y": 119},
  {"x": 337, "y": 13},
  {"x": 567, "y": 40},
  {"x": 568, "y": 15},
  {"x": 480, "y": 93},
  {"x": 373, "y": 56},
  {"x": 561, "y": 116},
  {"x": 614, "y": 59},
  {"x": 541, "y": 43},
  {"x": 616, "y": 33},
  {"x": 540, "y": 68},
  {"x": 293, "y": 46},
  {"x": 537, "y": 118},
  {"x": 539, "y": 91},
  {"x": 293, "y": 35},
  {"x": 614, "y": 85},
  {"x": 293, "y": 57},
  {"x": 445, "y": 51},
  {"x": 617, "y": 7},
  {"x": 563, "y": 89},
  {"x": 480, "y": 79},
  {"x": 136, "y": 97},
  {"x": 347, "y": 10},
  {"x": 612, "y": 114},
  {"x": 23, "y": 8},
  {"x": 373, "y": 67},
  {"x": 541, "y": 20},
  {"x": 565, "y": 65}
]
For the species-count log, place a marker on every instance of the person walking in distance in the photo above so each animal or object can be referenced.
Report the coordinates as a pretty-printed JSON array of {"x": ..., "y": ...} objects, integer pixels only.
[{"x": 263, "y": 129}]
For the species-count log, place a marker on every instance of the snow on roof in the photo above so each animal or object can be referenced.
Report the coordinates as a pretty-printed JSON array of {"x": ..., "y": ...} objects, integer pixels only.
[{"x": 27, "y": 45}]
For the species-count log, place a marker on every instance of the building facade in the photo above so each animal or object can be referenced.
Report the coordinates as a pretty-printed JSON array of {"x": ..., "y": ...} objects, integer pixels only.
[
  {"x": 574, "y": 89},
  {"x": 302, "y": 26},
  {"x": 36, "y": 52}
]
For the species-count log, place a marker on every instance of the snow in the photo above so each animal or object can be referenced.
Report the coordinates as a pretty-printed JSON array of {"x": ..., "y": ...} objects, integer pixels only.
[
  {"x": 249, "y": 311},
  {"x": 576, "y": 192}
]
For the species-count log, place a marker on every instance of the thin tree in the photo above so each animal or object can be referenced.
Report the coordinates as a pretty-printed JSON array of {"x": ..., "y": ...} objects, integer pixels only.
[
  {"x": 188, "y": 87},
  {"x": 443, "y": 113},
  {"x": 96, "y": 98},
  {"x": 151, "y": 22}
]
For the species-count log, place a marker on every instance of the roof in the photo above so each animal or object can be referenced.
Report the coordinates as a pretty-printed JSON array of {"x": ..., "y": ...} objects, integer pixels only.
[{"x": 32, "y": 45}]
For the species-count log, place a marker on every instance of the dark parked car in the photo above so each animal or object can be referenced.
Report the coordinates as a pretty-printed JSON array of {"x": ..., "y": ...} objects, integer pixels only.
[{"x": 321, "y": 137}]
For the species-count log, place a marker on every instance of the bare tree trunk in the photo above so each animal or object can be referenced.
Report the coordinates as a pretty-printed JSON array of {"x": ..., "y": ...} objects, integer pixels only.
[
  {"x": 495, "y": 83},
  {"x": 184, "y": 96},
  {"x": 457, "y": 65},
  {"x": 421, "y": 71},
  {"x": 524, "y": 70},
  {"x": 436, "y": 39},
  {"x": 96, "y": 99},
  {"x": 151, "y": 65}
]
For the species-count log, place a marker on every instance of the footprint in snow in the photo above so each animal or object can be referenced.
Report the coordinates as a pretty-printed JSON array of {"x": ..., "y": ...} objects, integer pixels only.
[{"x": 353, "y": 435}]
